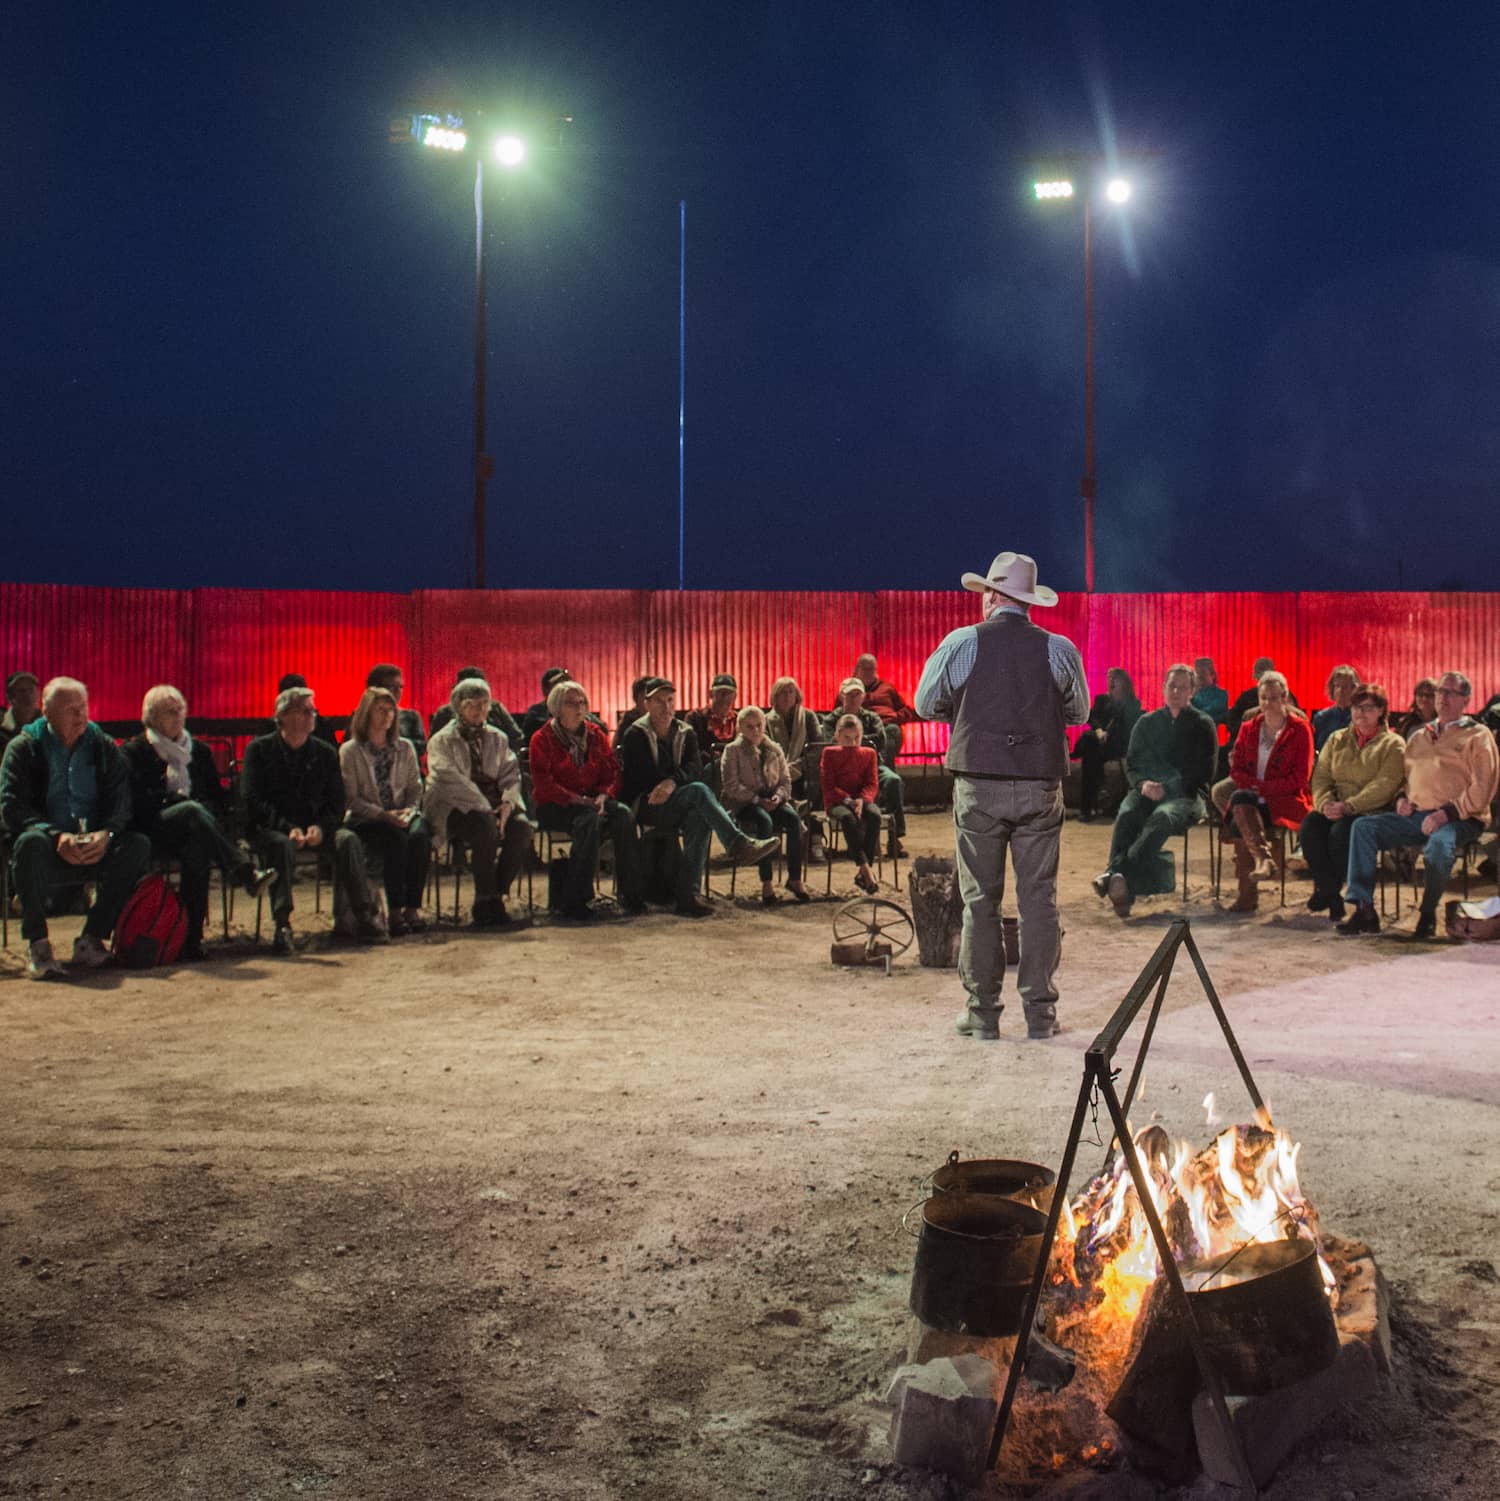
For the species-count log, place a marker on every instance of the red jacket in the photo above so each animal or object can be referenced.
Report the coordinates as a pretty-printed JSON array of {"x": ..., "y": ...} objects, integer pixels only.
[
  {"x": 1288, "y": 767},
  {"x": 848, "y": 771},
  {"x": 888, "y": 704},
  {"x": 554, "y": 777}
]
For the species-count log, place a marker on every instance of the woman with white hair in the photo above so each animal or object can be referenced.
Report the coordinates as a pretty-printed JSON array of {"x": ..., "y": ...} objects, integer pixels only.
[
  {"x": 474, "y": 797},
  {"x": 756, "y": 790},
  {"x": 177, "y": 801}
]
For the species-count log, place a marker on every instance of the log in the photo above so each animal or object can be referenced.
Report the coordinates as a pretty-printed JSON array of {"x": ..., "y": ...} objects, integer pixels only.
[
  {"x": 1154, "y": 1403},
  {"x": 937, "y": 911}
]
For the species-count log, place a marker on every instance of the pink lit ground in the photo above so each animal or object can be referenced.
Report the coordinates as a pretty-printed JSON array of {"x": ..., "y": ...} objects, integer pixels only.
[{"x": 613, "y": 1213}]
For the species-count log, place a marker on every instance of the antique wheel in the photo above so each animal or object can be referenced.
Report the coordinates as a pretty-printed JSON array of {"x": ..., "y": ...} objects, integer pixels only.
[{"x": 876, "y": 921}]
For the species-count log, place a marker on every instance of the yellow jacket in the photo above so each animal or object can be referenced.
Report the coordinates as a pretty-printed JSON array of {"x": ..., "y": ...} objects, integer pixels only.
[
  {"x": 1457, "y": 770},
  {"x": 1368, "y": 778}
]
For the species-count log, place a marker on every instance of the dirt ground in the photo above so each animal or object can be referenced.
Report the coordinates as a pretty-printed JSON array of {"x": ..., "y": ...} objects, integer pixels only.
[{"x": 615, "y": 1212}]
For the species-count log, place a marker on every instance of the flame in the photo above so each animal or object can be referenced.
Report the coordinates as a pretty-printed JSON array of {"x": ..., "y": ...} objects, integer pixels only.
[{"x": 1243, "y": 1188}]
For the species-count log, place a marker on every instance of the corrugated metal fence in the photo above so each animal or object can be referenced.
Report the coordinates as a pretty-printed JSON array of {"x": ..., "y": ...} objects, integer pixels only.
[{"x": 225, "y": 648}]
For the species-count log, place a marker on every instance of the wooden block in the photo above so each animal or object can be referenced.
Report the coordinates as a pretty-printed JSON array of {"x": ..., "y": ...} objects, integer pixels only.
[{"x": 1270, "y": 1426}]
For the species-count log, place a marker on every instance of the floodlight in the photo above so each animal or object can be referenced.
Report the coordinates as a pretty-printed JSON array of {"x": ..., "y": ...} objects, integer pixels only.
[
  {"x": 444, "y": 139},
  {"x": 1118, "y": 190},
  {"x": 510, "y": 151},
  {"x": 1061, "y": 188}
]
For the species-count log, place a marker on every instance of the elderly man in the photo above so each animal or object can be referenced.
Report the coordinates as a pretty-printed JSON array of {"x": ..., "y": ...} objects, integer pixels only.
[
  {"x": 293, "y": 793},
  {"x": 1452, "y": 771},
  {"x": 1169, "y": 765},
  {"x": 851, "y": 700},
  {"x": 1009, "y": 689},
  {"x": 662, "y": 779},
  {"x": 65, "y": 800},
  {"x": 884, "y": 700}
]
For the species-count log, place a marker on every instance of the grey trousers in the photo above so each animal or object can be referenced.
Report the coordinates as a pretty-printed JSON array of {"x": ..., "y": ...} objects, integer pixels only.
[{"x": 991, "y": 817}]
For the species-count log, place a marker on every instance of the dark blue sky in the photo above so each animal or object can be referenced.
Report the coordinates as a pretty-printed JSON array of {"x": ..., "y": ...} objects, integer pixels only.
[{"x": 238, "y": 323}]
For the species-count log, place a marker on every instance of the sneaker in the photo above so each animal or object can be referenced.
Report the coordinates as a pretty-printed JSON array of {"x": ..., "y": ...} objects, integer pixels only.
[
  {"x": 254, "y": 880},
  {"x": 1119, "y": 894},
  {"x": 89, "y": 953},
  {"x": 282, "y": 942},
  {"x": 971, "y": 1024},
  {"x": 41, "y": 963},
  {"x": 747, "y": 851},
  {"x": 1100, "y": 883},
  {"x": 1041, "y": 1021},
  {"x": 1361, "y": 920},
  {"x": 1426, "y": 928}
]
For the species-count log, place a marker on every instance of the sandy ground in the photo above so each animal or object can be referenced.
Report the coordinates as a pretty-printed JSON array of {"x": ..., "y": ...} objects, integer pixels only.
[{"x": 615, "y": 1212}]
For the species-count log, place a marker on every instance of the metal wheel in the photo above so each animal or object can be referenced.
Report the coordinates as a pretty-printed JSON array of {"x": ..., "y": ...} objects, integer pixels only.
[{"x": 876, "y": 921}]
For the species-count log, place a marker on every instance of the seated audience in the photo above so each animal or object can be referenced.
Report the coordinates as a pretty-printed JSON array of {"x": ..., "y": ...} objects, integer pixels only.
[
  {"x": 65, "y": 802},
  {"x": 294, "y": 800},
  {"x": 1267, "y": 785},
  {"x": 847, "y": 772},
  {"x": 716, "y": 725},
  {"x": 794, "y": 727},
  {"x": 1359, "y": 770},
  {"x": 662, "y": 780},
  {"x": 383, "y": 799},
  {"x": 1105, "y": 738},
  {"x": 1208, "y": 697},
  {"x": 635, "y": 712},
  {"x": 1249, "y": 700},
  {"x": 1423, "y": 710},
  {"x": 474, "y": 797},
  {"x": 575, "y": 781},
  {"x": 1169, "y": 765},
  {"x": 872, "y": 736},
  {"x": 756, "y": 788},
  {"x": 23, "y": 705},
  {"x": 1342, "y": 682},
  {"x": 322, "y": 730},
  {"x": 1452, "y": 773},
  {"x": 536, "y": 716},
  {"x": 500, "y": 717},
  {"x": 883, "y": 700},
  {"x": 178, "y": 803},
  {"x": 408, "y": 722}
]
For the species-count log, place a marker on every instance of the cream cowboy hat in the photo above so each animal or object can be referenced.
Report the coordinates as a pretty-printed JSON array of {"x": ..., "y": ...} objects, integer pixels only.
[{"x": 1012, "y": 574}]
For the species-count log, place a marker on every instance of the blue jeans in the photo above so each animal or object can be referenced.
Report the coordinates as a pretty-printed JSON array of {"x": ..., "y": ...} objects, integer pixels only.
[
  {"x": 1388, "y": 831},
  {"x": 699, "y": 815}
]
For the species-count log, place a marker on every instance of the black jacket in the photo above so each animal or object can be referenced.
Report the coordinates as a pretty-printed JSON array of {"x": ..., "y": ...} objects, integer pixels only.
[
  {"x": 283, "y": 789},
  {"x": 148, "y": 783},
  {"x": 23, "y": 784},
  {"x": 640, "y": 768}
]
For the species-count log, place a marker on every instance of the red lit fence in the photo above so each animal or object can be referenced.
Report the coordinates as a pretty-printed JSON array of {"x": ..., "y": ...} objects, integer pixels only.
[{"x": 225, "y": 648}]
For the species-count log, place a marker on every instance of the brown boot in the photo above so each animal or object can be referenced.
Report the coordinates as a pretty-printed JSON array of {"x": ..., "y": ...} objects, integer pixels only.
[
  {"x": 1244, "y": 863},
  {"x": 1253, "y": 836}
]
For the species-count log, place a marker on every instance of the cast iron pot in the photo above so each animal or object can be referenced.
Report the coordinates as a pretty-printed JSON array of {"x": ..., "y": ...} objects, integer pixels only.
[
  {"x": 976, "y": 1255},
  {"x": 1004, "y": 1177}
]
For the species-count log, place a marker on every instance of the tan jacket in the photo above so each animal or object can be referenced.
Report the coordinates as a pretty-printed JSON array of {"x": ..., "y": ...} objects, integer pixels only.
[
  {"x": 362, "y": 792},
  {"x": 451, "y": 789},
  {"x": 1461, "y": 766},
  {"x": 1367, "y": 778},
  {"x": 744, "y": 769}
]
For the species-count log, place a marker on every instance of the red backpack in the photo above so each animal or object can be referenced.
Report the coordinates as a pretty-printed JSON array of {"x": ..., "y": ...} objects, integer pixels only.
[{"x": 153, "y": 926}]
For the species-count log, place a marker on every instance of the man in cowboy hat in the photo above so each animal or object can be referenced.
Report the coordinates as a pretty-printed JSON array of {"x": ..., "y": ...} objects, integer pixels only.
[{"x": 1008, "y": 688}]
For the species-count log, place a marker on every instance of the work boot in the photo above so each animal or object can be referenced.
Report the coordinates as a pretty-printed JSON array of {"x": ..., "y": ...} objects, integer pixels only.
[
  {"x": 1361, "y": 920},
  {"x": 1041, "y": 1021},
  {"x": 1253, "y": 835},
  {"x": 253, "y": 880},
  {"x": 41, "y": 962},
  {"x": 748, "y": 851},
  {"x": 1426, "y": 928},
  {"x": 972, "y": 1023},
  {"x": 1249, "y": 894}
]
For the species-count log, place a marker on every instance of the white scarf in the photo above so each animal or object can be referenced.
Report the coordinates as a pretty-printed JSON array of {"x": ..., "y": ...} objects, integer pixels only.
[{"x": 177, "y": 754}]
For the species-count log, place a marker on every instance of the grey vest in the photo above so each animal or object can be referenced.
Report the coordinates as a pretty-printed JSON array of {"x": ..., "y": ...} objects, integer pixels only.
[{"x": 1009, "y": 717}]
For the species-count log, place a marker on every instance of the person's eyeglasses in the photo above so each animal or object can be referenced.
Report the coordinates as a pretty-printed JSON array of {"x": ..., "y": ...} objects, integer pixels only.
[{"x": 1453, "y": 693}]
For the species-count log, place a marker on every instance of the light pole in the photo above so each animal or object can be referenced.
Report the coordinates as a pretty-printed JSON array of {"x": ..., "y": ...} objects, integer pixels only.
[{"x": 1117, "y": 190}]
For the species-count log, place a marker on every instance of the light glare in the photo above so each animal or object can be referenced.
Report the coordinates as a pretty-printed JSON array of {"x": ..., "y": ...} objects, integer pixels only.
[
  {"x": 510, "y": 151},
  {"x": 1118, "y": 190},
  {"x": 443, "y": 139},
  {"x": 1060, "y": 189}
]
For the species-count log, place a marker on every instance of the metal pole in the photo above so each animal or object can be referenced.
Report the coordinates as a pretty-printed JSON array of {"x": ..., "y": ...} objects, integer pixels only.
[
  {"x": 1087, "y": 487},
  {"x": 481, "y": 458},
  {"x": 681, "y": 382}
]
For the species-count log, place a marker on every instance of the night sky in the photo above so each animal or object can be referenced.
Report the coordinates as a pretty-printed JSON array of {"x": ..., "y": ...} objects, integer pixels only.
[{"x": 238, "y": 323}]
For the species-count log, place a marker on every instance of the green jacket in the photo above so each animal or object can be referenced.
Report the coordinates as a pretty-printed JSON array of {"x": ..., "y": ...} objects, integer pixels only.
[
  {"x": 1179, "y": 753},
  {"x": 1367, "y": 778},
  {"x": 23, "y": 784}
]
